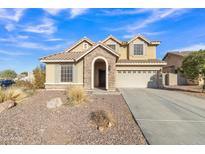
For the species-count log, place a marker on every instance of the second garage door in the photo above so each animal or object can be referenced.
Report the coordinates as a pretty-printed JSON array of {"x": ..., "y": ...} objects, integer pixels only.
[{"x": 136, "y": 78}]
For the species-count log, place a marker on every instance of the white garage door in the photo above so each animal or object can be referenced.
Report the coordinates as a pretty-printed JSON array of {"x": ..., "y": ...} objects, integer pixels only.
[{"x": 136, "y": 78}]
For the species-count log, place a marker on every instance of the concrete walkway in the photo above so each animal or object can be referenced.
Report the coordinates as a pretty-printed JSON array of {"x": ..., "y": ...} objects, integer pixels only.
[{"x": 167, "y": 117}]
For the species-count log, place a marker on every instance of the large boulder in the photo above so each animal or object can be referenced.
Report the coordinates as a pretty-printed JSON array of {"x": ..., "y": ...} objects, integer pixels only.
[
  {"x": 6, "y": 105},
  {"x": 54, "y": 103}
]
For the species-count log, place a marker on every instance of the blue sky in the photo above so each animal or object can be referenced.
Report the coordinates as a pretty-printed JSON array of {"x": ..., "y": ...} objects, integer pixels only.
[{"x": 28, "y": 34}]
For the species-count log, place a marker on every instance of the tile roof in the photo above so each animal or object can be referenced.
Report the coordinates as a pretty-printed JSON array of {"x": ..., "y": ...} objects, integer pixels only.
[
  {"x": 141, "y": 61},
  {"x": 74, "y": 56},
  {"x": 64, "y": 56},
  {"x": 178, "y": 53}
]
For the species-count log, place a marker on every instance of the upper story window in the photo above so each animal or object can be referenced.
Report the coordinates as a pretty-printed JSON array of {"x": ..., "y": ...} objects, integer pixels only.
[
  {"x": 138, "y": 49},
  {"x": 67, "y": 73},
  {"x": 85, "y": 45},
  {"x": 113, "y": 46}
]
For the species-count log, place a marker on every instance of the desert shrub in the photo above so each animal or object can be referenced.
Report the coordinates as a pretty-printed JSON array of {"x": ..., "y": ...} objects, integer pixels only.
[
  {"x": 39, "y": 77},
  {"x": 13, "y": 93},
  {"x": 76, "y": 95},
  {"x": 24, "y": 84},
  {"x": 2, "y": 95},
  {"x": 101, "y": 119}
]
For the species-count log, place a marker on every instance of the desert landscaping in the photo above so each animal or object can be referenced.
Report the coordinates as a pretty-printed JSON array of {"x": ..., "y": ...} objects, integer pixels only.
[{"x": 103, "y": 119}]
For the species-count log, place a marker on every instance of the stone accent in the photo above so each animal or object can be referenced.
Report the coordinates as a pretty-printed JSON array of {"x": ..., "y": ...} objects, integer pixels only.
[
  {"x": 54, "y": 103},
  {"x": 99, "y": 51}
]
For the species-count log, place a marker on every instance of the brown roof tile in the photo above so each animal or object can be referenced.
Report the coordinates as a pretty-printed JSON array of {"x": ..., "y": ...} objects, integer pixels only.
[
  {"x": 151, "y": 61},
  {"x": 64, "y": 56}
]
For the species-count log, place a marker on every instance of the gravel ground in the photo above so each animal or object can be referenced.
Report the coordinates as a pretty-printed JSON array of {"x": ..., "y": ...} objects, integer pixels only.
[{"x": 33, "y": 123}]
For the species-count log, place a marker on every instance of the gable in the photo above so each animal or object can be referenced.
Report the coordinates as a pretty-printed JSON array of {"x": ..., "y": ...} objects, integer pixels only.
[
  {"x": 111, "y": 41},
  {"x": 79, "y": 47},
  {"x": 105, "y": 48},
  {"x": 139, "y": 41}
]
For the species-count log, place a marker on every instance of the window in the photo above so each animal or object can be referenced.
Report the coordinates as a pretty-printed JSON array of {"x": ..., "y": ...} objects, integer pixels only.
[
  {"x": 113, "y": 46},
  {"x": 138, "y": 49},
  {"x": 85, "y": 45},
  {"x": 66, "y": 73}
]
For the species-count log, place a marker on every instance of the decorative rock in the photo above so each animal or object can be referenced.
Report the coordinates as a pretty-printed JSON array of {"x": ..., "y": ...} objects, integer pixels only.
[
  {"x": 109, "y": 124},
  {"x": 6, "y": 105},
  {"x": 54, "y": 103}
]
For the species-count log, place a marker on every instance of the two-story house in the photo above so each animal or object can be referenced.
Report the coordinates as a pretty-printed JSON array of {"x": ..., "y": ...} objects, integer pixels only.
[{"x": 108, "y": 64}]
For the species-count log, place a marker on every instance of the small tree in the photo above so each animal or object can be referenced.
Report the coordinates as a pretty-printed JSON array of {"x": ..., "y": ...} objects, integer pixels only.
[
  {"x": 39, "y": 77},
  {"x": 8, "y": 74},
  {"x": 194, "y": 65}
]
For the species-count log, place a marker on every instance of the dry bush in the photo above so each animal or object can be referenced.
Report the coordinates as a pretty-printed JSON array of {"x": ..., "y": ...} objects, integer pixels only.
[
  {"x": 13, "y": 93},
  {"x": 76, "y": 95},
  {"x": 2, "y": 95},
  {"x": 101, "y": 119},
  {"x": 39, "y": 77},
  {"x": 24, "y": 84}
]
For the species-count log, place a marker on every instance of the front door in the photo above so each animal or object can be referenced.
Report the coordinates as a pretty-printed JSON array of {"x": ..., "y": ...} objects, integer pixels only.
[{"x": 101, "y": 78}]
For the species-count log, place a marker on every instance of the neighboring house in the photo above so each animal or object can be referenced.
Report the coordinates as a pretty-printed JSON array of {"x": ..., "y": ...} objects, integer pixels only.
[
  {"x": 174, "y": 60},
  {"x": 23, "y": 77},
  {"x": 108, "y": 64}
]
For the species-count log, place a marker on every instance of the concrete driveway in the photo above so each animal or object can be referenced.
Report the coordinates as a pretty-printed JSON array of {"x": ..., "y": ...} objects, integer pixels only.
[{"x": 167, "y": 117}]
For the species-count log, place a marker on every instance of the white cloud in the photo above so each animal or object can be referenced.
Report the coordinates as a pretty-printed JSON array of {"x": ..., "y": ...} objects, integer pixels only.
[
  {"x": 11, "y": 14},
  {"x": 46, "y": 27},
  {"x": 117, "y": 12},
  {"x": 13, "y": 53},
  {"x": 156, "y": 15},
  {"x": 53, "y": 11},
  {"x": 77, "y": 12},
  {"x": 131, "y": 35},
  {"x": 153, "y": 33},
  {"x": 55, "y": 39},
  {"x": 10, "y": 27},
  {"x": 23, "y": 36},
  {"x": 14, "y": 38},
  {"x": 193, "y": 47},
  {"x": 33, "y": 45}
]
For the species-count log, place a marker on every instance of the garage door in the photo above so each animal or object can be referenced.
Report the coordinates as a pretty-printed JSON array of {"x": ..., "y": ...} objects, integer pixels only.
[{"x": 136, "y": 78}]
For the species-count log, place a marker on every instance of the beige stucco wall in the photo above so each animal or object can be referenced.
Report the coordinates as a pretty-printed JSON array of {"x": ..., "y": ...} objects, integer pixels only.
[
  {"x": 122, "y": 50},
  {"x": 149, "y": 51},
  {"x": 79, "y": 71},
  {"x": 53, "y": 72},
  {"x": 50, "y": 73},
  {"x": 79, "y": 47},
  {"x": 174, "y": 60}
]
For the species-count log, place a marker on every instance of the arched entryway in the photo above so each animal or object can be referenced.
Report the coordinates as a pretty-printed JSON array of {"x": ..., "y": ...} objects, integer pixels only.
[{"x": 99, "y": 73}]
